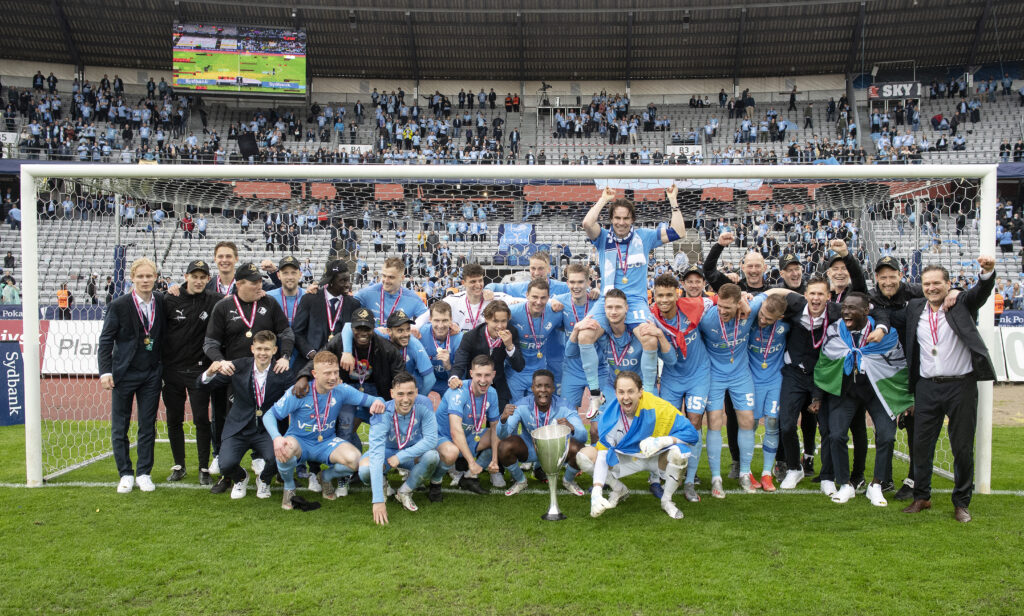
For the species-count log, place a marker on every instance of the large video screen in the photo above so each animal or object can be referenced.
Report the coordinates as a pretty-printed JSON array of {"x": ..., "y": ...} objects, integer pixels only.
[{"x": 248, "y": 59}]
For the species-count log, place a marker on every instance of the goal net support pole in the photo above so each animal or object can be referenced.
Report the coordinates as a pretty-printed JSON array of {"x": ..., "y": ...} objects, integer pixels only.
[{"x": 31, "y": 173}]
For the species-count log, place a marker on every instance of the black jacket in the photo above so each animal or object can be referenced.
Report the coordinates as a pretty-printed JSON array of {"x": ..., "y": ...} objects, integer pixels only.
[
  {"x": 385, "y": 358},
  {"x": 474, "y": 342},
  {"x": 310, "y": 325},
  {"x": 243, "y": 407},
  {"x": 120, "y": 345},
  {"x": 225, "y": 334},
  {"x": 962, "y": 319},
  {"x": 187, "y": 318},
  {"x": 716, "y": 278}
]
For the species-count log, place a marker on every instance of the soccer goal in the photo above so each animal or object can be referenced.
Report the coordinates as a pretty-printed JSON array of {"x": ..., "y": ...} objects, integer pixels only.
[{"x": 96, "y": 219}]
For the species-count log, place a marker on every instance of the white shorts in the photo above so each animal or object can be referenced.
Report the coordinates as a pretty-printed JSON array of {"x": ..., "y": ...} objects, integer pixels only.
[{"x": 628, "y": 465}]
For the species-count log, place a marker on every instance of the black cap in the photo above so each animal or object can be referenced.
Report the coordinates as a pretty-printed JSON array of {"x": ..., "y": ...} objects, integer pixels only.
[
  {"x": 832, "y": 259},
  {"x": 888, "y": 262},
  {"x": 288, "y": 261},
  {"x": 693, "y": 269},
  {"x": 199, "y": 265},
  {"x": 787, "y": 260},
  {"x": 334, "y": 267},
  {"x": 398, "y": 318},
  {"x": 250, "y": 272},
  {"x": 363, "y": 318}
]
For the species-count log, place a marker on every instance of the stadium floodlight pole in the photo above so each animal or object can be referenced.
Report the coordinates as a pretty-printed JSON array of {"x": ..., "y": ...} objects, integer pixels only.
[{"x": 31, "y": 173}]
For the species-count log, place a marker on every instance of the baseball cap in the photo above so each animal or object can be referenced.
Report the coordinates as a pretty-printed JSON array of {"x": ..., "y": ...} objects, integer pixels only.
[
  {"x": 336, "y": 266},
  {"x": 888, "y": 262},
  {"x": 787, "y": 260},
  {"x": 398, "y": 318},
  {"x": 693, "y": 269},
  {"x": 197, "y": 265},
  {"x": 288, "y": 261},
  {"x": 832, "y": 259},
  {"x": 363, "y": 318},
  {"x": 250, "y": 272}
]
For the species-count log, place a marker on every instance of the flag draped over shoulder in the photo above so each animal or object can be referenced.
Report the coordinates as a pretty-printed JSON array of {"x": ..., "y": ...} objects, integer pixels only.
[{"x": 883, "y": 363}]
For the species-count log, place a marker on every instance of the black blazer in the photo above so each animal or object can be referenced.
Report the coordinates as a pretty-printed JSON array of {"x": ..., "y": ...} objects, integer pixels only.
[
  {"x": 310, "y": 326},
  {"x": 385, "y": 358},
  {"x": 122, "y": 335},
  {"x": 474, "y": 342},
  {"x": 243, "y": 408},
  {"x": 962, "y": 319}
]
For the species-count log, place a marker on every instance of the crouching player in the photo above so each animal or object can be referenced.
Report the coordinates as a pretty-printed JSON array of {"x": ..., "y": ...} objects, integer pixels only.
[
  {"x": 462, "y": 429},
  {"x": 311, "y": 433},
  {"x": 403, "y": 436},
  {"x": 540, "y": 408},
  {"x": 639, "y": 432}
]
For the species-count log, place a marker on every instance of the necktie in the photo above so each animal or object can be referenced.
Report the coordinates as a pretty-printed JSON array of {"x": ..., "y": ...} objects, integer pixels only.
[{"x": 334, "y": 305}]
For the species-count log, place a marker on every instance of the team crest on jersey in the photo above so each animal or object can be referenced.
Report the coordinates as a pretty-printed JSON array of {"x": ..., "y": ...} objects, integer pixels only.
[
  {"x": 780, "y": 329},
  {"x": 203, "y": 315},
  {"x": 262, "y": 310}
]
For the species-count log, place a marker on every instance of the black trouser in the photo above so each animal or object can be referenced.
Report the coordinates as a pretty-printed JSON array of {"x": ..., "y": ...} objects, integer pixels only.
[
  {"x": 907, "y": 423},
  {"x": 144, "y": 387},
  {"x": 254, "y": 438},
  {"x": 732, "y": 430},
  {"x": 797, "y": 388},
  {"x": 934, "y": 401},
  {"x": 176, "y": 384},
  {"x": 220, "y": 402},
  {"x": 842, "y": 412}
]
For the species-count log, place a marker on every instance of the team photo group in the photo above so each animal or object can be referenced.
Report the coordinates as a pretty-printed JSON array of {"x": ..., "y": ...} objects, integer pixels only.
[{"x": 644, "y": 370}]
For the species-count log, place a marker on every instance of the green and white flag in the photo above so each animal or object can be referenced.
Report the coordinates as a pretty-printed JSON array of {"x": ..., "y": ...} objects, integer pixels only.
[{"x": 883, "y": 363}]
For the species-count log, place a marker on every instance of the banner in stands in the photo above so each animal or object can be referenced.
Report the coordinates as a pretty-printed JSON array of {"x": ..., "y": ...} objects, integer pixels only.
[
  {"x": 9, "y": 138},
  {"x": 71, "y": 348},
  {"x": 686, "y": 150},
  {"x": 1011, "y": 318},
  {"x": 511, "y": 235},
  {"x": 12, "y": 407},
  {"x": 894, "y": 90}
]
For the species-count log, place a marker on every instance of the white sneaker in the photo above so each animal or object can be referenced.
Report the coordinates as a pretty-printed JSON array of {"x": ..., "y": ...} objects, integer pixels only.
[
  {"x": 874, "y": 494},
  {"x": 745, "y": 483},
  {"x": 498, "y": 480},
  {"x": 239, "y": 489},
  {"x": 406, "y": 499},
  {"x": 792, "y": 478},
  {"x": 670, "y": 508},
  {"x": 342, "y": 490},
  {"x": 145, "y": 483},
  {"x": 572, "y": 487},
  {"x": 126, "y": 484},
  {"x": 262, "y": 488},
  {"x": 598, "y": 503},
  {"x": 314, "y": 483},
  {"x": 828, "y": 487},
  {"x": 516, "y": 488},
  {"x": 717, "y": 491},
  {"x": 258, "y": 464},
  {"x": 215, "y": 467},
  {"x": 844, "y": 494}
]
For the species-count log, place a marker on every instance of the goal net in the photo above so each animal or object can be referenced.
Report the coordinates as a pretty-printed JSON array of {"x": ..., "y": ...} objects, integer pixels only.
[{"x": 92, "y": 221}]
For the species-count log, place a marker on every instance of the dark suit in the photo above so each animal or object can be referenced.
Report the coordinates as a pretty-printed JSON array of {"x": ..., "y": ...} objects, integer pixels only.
[
  {"x": 310, "y": 326},
  {"x": 474, "y": 342},
  {"x": 243, "y": 427},
  {"x": 137, "y": 373},
  {"x": 955, "y": 397}
]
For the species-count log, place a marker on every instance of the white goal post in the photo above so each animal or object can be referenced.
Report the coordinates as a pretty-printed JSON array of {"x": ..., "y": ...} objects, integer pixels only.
[{"x": 32, "y": 174}]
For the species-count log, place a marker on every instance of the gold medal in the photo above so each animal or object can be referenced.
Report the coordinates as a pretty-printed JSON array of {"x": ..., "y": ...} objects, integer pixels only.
[
  {"x": 732, "y": 360},
  {"x": 259, "y": 413},
  {"x": 147, "y": 340},
  {"x": 320, "y": 438},
  {"x": 248, "y": 334},
  {"x": 476, "y": 438},
  {"x": 934, "y": 351},
  {"x": 539, "y": 355},
  {"x": 329, "y": 337},
  {"x": 625, "y": 280},
  {"x": 617, "y": 371},
  {"x": 764, "y": 365}
]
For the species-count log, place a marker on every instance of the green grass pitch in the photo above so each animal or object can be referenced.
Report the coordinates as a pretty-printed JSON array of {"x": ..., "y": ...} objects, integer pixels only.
[
  {"x": 76, "y": 549},
  {"x": 221, "y": 65}
]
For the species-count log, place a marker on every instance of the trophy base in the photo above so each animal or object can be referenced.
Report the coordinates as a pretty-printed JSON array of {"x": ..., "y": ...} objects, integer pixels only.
[{"x": 553, "y": 517}]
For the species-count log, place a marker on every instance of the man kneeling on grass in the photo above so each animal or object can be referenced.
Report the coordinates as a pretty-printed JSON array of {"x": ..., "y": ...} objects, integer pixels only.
[
  {"x": 404, "y": 436},
  {"x": 638, "y": 432},
  {"x": 312, "y": 435}
]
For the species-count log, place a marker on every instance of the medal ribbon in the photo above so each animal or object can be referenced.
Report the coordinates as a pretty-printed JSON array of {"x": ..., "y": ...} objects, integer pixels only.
[
  {"x": 824, "y": 328},
  {"x": 224, "y": 290},
  {"x": 321, "y": 423},
  {"x": 536, "y": 416},
  {"x": 491, "y": 343},
  {"x": 384, "y": 319},
  {"x": 576, "y": 315},
  {"x": 735, "y": 335},
  {"x": 147, "y": 324},
  {"x": 408, "y": 429},
  {"x": 933, "y": 325},
  {"x": 252, "y": 316},
  {"x": 616, "y": 356},
  {"x": 369, "y": 351},
  {"x": 260, "y": 392},
  {"x": 469, "y": 310},
  {"x": 533, "y": 332},
  {"x": 332, "y": 320},
  {"x": 290, "y": 313},
  {"x": 623, "y": 262},
  {"x": 760, "y": 336},
  {"x": 478, "y": 422}
]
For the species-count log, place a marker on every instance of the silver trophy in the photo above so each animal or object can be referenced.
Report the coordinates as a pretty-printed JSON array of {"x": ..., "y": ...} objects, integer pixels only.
[{"x": 552, "y": 445}]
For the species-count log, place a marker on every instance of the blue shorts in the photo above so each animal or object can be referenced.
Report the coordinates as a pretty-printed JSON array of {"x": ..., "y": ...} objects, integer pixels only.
[
  {"x": 740, "y": 388},
  {"x": 573, "y": 387},
  {"x": 689, "y": 394},
  {"x": 639, "y": 312},
  {"x": 319, "y": 451},
  {"x": 766, "y": 399}
]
